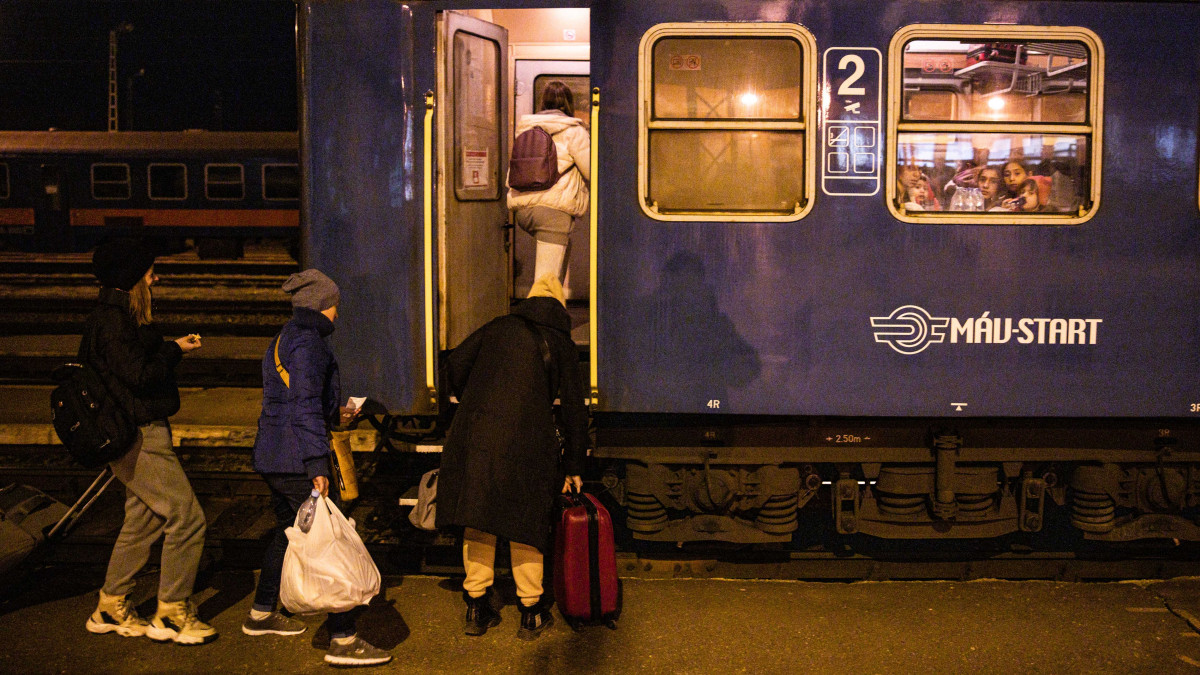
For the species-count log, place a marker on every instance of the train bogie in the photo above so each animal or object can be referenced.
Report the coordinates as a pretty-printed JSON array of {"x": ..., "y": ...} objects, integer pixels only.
[{"x": 927, "y": 265}]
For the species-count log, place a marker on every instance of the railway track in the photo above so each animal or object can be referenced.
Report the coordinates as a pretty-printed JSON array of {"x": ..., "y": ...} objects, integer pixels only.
[
  {"x": 207, "y": 304},
  {"x": 43, "y": 293},
  {"x": 237, "y": 504},
  {"x": 259, "y": 260}
]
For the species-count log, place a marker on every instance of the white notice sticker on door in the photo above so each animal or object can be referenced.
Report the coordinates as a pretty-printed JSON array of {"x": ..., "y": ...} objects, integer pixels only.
[{"x": 475, "y": 168}]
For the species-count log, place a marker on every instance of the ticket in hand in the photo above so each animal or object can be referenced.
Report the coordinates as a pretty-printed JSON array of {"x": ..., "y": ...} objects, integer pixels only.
[{"x": 356, "y": 402}]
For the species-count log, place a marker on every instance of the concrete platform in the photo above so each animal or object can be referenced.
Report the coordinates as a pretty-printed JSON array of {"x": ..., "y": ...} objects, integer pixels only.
[
  {"x": 667, "y": 626},
  {"x": 207, "y": 417}
]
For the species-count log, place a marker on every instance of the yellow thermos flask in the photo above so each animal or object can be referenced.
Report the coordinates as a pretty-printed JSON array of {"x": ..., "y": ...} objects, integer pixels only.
[{"x": 343, "y": 465}]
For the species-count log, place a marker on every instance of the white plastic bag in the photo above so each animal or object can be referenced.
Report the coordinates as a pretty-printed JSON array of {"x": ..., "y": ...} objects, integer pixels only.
[{"x": 328, "y": 569}]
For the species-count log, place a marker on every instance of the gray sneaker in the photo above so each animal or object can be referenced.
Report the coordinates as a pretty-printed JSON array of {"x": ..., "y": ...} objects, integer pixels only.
[
  {"x": 357, "y": 653},
  {"x": 274, "y": 624}
]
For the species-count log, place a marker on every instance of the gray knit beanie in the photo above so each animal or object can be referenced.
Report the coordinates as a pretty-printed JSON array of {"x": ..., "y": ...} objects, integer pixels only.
[{"x": 312, "y": 289}]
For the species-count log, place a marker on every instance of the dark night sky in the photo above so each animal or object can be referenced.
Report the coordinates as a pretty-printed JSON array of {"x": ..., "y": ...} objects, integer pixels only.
[{"x": 197, "y": 64}]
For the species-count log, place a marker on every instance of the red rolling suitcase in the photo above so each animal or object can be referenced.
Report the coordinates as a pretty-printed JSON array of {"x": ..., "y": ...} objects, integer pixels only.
[{"x": 585, "y": 563}]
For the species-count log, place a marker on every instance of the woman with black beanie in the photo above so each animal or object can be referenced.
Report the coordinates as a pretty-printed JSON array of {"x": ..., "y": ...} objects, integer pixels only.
[{"x": 138, "y": 365}]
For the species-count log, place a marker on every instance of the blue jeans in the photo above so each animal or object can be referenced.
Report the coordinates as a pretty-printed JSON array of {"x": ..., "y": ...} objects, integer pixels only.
[{"x": 288, "y": 492}]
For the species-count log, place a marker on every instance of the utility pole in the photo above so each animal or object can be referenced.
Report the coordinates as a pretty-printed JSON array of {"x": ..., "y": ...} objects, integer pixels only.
[{"x": 112, "y": 73}]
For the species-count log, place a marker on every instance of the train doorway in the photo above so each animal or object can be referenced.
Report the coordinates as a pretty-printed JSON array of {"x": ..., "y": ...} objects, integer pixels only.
[
  {"x": 531, "y": 77},
  {"x": 535, "y": 46}
]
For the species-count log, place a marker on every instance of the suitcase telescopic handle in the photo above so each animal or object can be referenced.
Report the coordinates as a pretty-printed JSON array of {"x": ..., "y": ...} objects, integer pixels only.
[{"x": 83, "y": 503}]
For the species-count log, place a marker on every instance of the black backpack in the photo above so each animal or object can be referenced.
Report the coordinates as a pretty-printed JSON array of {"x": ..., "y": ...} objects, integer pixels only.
[
  {"x": 91, "y": 423},
  {"x": 534, "y": 162}
]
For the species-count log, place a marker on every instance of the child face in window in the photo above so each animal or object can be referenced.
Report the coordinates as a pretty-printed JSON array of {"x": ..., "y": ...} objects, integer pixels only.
[
  {"x": 908, "y": 176},
  {"x": 989, "y": 183},
  {"x": 1014, "y": 176},
  {"x": 1030, "y": 192}
]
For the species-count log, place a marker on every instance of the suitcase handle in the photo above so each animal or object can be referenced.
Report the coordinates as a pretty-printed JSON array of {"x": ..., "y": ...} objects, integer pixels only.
[{"x": 90, "y": 494}]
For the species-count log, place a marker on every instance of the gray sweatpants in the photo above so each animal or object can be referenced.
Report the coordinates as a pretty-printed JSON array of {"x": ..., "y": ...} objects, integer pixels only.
[
  {"x": 159, "y": 501},
  {"x": 546, "y": 224}
]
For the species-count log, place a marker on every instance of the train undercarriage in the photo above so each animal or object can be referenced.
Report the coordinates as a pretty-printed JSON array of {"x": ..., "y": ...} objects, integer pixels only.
[{"x": 1111, "y": 483}]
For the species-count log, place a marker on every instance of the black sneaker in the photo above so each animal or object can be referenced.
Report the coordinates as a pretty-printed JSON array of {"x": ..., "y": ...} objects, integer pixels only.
[
  {"x": 480, "y": 614},
  {"x": 274, "y": 624},
  {"x": 534, "y": 621},
  {"x": 358, "y": 653}
]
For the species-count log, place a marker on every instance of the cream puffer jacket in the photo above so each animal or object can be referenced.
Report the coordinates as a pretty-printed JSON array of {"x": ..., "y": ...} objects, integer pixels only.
[{"x": 570, "y": 193}]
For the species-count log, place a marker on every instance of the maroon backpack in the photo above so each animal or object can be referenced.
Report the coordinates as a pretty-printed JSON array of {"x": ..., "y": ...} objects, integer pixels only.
[{"x": 534, "y": 162}]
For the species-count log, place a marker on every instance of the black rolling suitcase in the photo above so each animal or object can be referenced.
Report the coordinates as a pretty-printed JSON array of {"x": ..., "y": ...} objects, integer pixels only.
[{"x": 30, "y": 517}]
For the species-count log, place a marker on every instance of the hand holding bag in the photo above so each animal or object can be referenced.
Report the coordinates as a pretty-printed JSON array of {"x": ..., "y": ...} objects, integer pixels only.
[{"x": 328, "y": 568}]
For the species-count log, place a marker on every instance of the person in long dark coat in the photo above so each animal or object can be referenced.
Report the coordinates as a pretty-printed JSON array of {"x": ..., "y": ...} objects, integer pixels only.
[{"x": 502, "y": 464}]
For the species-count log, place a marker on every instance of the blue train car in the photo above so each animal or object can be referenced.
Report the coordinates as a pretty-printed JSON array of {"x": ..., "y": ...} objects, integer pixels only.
[
  {"x": 69, "y": 189},
  {"x": 929, "y": 265}
]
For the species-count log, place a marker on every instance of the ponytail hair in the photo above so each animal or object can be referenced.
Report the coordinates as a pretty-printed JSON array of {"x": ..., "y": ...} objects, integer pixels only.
[{"x": 139, "y": 302}]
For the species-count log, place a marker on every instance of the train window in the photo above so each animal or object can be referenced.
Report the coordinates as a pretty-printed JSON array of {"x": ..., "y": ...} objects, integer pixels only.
[
  {"x": 167, "y": 181},
  {"x": 721, "y": 102},
  {"x": 110, "y": 181},
  {"x": 995, "y": 124},
  {"x": 281, "y": 182},
  {"x": 224, "y": 181},
  {"x": 4, "y": 181}
]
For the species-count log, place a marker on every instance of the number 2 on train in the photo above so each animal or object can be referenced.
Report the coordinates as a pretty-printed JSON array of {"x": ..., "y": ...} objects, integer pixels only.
[{"x": 845, "y": 89}]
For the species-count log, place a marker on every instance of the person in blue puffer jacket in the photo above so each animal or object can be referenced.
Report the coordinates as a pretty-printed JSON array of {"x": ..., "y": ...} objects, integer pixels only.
[{"x": 301, "y": 391}]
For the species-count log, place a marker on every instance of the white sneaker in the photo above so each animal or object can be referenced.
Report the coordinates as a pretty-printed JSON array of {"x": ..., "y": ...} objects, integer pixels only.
[
  {"x": 177, "y": 622},
  {"x": 115, "y": 615}
]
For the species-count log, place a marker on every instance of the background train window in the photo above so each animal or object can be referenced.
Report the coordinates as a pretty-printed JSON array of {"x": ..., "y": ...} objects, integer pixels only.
[
  {"x": 224, "y": 181},
  {"x": 3, "y": 181},
  {"x": 581, "y": 93},
  {"x": 723, "y": 107},
  {"x": 281, "y": 182},
  {"x": 1001, "y": 122},
  {"x": 167, "y": 181},
  {"x": 110, "y": 181}
]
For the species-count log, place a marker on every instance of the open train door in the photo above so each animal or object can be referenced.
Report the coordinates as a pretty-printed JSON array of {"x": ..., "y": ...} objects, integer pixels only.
[{"x": 473, "y": 119}]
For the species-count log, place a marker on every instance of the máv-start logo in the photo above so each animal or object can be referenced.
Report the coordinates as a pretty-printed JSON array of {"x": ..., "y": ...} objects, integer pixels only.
[{"x": 909, "y": 329}]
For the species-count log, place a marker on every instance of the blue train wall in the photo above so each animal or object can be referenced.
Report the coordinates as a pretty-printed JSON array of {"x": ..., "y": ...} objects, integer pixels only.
[
  {"x": 775, "y": 318},
  {"x": 361, "y": 195}
]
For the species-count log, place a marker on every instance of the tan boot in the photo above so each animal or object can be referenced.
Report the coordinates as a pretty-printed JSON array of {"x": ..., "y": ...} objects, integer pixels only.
[{"x": 114, "y": 614}]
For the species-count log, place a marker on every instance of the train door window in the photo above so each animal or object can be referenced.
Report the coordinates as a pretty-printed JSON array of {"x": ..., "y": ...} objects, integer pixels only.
[
  {"x": 727, "y": 112},
  {"x": 167, "y": 181},
  {"x": 476, "y": 126},
  {"x": 581, "y": 93},
  {"x": 110, "y": 181},
  {"x": 4, "y": 190},
  {"x": 281, "y": 182},
  {"x": 224, "y": 181},
  {"x": 995, "y": 124}
]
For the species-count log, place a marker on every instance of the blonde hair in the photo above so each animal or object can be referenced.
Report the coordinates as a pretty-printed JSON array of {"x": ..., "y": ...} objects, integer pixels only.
[{"x": 139, "y": 302}]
